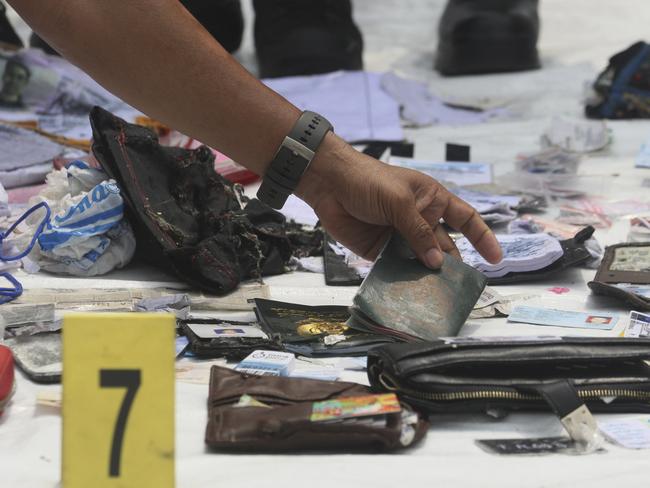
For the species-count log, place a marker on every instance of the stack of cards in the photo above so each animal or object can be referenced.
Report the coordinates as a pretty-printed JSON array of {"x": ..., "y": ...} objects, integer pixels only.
[{"x": 521, "y": 253}]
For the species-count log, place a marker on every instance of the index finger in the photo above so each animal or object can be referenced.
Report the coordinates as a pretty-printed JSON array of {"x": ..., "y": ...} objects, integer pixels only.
[{"x": 464, "y": 218}]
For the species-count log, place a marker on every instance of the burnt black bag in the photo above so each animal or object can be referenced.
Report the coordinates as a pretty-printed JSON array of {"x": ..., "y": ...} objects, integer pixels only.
[
  {"x": 186, "y": 217},
  {"x": 468, "y": 374}
]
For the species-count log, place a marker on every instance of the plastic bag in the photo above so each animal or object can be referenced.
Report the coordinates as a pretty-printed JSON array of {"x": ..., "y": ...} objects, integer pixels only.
[{"x": 87, "y": 235}]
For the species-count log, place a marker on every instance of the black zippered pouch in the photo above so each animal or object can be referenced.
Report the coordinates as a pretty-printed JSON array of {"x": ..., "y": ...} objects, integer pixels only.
[{"x": 468, "y": 374}]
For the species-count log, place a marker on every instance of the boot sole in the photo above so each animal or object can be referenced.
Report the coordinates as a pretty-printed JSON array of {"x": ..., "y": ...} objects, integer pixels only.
[{"x": 482, "y": 56}]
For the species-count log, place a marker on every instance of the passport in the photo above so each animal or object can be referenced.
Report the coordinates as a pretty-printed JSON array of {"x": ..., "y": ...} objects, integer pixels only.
[{"x": 404, "y": 299}]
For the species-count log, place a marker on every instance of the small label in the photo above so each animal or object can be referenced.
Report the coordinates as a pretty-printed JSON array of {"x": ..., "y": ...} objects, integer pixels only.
[
  {"x": 542, "y": 445},
  {"x": 363, "y": 406},
  {"x": 638, "y": 326}
]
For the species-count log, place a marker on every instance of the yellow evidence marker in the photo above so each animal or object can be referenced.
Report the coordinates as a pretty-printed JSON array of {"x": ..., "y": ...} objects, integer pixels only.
[{"x": 118, "y": 400}]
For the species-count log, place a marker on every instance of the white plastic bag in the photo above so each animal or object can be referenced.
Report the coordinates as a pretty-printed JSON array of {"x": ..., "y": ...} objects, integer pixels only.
[{"x": 87, "y": 234}]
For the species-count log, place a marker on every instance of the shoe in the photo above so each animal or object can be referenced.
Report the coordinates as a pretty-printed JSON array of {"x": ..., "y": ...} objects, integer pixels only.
[
  {"x": 7, "y": 33},
  {"x": 221, "y": 18},
  {"x": 488, "y": 36},
  {"x": 305, "y": 37}
]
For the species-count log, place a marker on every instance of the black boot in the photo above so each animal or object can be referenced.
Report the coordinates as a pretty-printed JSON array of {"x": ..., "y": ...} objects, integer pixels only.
[
  {"x": 221, "y": 18},
  {"x": 488, "y": 36},
  {"x": 7, "y": 33},
  {"x": 303, "y": 37}
]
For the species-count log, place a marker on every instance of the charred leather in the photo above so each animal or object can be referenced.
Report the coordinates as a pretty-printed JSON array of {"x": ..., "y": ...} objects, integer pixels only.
[
  {"x": 337, "y": 271},
  {"x": 281, "y": 321},
  {"x": 286, "y": 425},
  {"x": 632, "y": 300},
  {"x": 443, "y": 376},
  {"x": 186, "y": 217}
]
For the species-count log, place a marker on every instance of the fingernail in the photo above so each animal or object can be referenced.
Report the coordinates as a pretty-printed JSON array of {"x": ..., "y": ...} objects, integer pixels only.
[{"x": 433, "y": 258}]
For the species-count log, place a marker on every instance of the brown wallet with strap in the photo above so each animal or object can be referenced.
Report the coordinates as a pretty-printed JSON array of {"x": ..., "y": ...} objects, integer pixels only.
[{"x": 279, "y": 416}]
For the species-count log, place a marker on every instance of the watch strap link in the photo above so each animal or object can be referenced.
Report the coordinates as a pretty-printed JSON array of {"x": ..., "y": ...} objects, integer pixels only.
[{"x": 292, "y": 159}]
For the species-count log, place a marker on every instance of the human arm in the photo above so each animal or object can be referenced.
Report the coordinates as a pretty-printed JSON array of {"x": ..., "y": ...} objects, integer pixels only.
[{"x": 157, "y": 57}]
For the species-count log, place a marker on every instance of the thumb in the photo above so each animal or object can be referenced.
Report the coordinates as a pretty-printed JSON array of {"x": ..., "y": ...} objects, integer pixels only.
[{"x": 420, "y": 236}]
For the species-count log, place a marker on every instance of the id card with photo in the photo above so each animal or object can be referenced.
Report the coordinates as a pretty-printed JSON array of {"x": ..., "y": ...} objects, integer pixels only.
[{"x": 563, "y": 318}]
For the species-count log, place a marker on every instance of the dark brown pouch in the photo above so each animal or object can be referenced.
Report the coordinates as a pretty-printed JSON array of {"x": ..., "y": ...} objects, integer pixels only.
[
  {"x": 284, "y": 422},
  {"x": 624, "y": 274}
]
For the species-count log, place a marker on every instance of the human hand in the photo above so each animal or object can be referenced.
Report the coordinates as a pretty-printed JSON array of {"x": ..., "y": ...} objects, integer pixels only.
[{"x": 359, "y": 201}]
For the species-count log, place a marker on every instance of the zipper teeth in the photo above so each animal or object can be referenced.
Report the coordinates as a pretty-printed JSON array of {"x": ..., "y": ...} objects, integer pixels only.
[
  {"x": 513, "y": 395},
  {"x": 583, "y": 392}
]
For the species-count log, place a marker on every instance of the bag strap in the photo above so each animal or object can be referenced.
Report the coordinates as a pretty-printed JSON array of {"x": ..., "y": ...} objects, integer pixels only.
[{"x": 574, "y": 415}]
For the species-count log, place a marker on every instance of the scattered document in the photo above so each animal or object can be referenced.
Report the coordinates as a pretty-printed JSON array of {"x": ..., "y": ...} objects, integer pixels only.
[
  {"x": 628, "y": 433},
  {"x": 419, "y": 107},
  {"x": 643, "y": 158},
  {"x": 563, "y": 318},
  {"x": 576, "y": 135},
  {"x": 461, "y": 174},
  {"x": 521, "y": 253},
  {"x": 638, "y": 325},
  {"x": 297, "y": 210},
  {"x": 353, "y": 101}
]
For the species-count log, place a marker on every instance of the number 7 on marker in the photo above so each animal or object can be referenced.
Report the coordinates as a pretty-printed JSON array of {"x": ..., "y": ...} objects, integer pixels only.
[{"x": 120, "y": 378}]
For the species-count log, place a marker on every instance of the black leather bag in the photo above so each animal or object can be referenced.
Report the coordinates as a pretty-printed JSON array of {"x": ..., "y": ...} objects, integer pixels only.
[{"x": 479, "y": 374}]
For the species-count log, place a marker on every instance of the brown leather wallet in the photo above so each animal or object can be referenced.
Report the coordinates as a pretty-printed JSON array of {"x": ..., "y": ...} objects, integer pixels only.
[{"x": 281, "y": 417}]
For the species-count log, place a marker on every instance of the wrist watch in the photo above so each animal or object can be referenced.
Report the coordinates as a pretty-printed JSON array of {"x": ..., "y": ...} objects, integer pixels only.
[{"x": 293, "y": 158}]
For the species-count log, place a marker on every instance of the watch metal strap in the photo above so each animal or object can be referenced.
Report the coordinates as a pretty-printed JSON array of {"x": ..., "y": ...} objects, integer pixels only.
[{"x": 292, "y": 159}]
